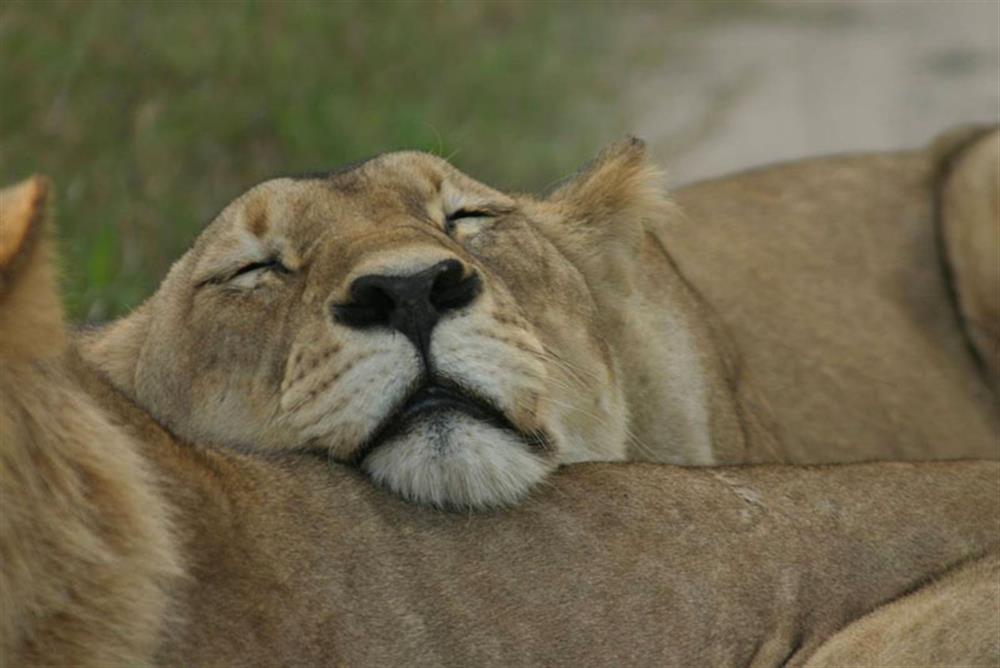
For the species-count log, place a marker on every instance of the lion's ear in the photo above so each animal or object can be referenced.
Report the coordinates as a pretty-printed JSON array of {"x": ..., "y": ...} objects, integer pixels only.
[
  {"x": 31, "y": 314},
  {"x": 604, "y": 208},
  {"x": 610, "y": 198},
  {"x": 22, "y": 217}
]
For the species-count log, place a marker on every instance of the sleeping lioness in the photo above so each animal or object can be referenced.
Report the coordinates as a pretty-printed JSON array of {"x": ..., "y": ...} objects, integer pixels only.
[
  {"x": 122, "y": 545},
  {"x": 457, "y": 342}
]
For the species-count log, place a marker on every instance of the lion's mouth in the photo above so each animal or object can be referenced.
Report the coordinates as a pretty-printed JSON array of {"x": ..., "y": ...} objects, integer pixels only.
[
  {"x": 439, "y": 396},
  {"x": 436, "y": 397}
]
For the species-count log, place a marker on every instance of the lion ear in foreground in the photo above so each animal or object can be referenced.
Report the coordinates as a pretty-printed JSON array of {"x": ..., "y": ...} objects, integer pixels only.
[
  {"x": 31, "y": 315},
  {"x": 604, "y": 207},
  {"x": 22, "y": 210}
]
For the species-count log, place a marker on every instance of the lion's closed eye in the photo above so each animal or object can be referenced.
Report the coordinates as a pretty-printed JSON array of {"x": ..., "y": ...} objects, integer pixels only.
[
  {"x": 464, "y": 222},
  {"x": 248, "y": 275},
  {"x": 467, "y": 221}
]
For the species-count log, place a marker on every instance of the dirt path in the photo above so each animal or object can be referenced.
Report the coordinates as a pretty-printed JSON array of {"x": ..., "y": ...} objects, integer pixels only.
[{"x": 792, "y": 79}]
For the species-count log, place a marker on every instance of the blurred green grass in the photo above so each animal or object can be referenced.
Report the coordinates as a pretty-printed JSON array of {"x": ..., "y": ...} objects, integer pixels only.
[{"x": 150, "y": 116}]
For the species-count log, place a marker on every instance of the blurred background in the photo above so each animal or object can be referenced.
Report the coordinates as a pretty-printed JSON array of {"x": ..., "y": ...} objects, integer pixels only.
[{"x": 151, "y": 116}]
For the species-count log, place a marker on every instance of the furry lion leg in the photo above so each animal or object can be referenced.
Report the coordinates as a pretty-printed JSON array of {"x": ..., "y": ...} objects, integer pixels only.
[
  {"x": 970, "y": 228},
  {"x": 953, "y": 621}
]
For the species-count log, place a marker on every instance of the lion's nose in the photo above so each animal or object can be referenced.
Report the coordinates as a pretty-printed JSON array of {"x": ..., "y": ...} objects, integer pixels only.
[{"x": 410, "y": 304}]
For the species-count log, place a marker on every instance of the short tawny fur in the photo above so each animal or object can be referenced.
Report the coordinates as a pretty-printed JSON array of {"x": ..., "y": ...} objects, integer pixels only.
[
  {"x": 292, "y": 560},
  {"x": 799, "y": 314},
  {"x": 87, "y": 559}
]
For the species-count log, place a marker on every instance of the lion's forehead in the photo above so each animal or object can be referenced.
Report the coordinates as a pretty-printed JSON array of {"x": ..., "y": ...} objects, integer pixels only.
[
  {"x": 403, "y": 182},
  {"x": 378, "y": 196}
]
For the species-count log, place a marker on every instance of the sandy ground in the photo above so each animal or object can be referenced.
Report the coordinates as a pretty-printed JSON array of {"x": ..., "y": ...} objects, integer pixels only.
[{"x": 792, "y": 79}]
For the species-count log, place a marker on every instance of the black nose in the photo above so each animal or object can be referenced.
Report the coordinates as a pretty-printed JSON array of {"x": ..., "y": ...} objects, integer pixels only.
[{"x": 410, "y": 304}]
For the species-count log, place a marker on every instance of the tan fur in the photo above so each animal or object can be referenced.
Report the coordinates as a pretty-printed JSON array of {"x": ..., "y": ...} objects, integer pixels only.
[
  {"x": 86, "y": 557},
  {"x": 970, "y": 207},
  {"x": 953, "y": 621},
  {"x": 257, "y": 361},
  {"x": 292, "y": 560},
  {"x": 27, "y": 280},
  {"x": 627, "y": 564},
  {"x": 798, "y": 314},
  {"x": 296, "y": 562},
  {"x": 829, "y": 280}
]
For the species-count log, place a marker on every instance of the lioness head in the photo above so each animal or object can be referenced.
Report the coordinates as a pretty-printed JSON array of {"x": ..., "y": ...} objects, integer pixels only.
[{"x": 400, "y": 316}]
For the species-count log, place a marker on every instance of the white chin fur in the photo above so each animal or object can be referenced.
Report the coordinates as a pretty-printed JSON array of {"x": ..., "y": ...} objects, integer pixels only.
[{"x": 453, "y": 461}]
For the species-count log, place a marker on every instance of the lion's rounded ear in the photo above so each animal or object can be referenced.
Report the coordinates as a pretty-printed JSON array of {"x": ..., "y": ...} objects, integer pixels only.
[
  {"x": 601, "y": 217},
  {"x": 615, "y": 192},
  {"x": 605, "y": 208}
]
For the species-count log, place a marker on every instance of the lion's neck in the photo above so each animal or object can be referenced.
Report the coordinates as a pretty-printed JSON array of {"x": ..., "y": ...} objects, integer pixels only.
[{"x": 680, "y": 370}]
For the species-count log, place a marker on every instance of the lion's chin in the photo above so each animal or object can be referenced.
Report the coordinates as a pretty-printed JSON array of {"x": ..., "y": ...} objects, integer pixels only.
[{"x": 453, "y": 461}]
